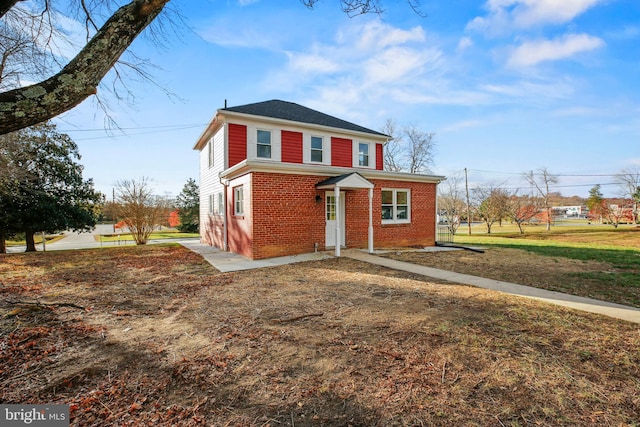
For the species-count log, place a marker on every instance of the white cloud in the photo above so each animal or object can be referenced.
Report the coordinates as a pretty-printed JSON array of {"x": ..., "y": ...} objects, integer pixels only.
[
  {"x": 464, "y": 43},
  {"x": 247, "y": 2},
  {"x": 312, "y": 63},
  {"x": 465, "y": 124},
  {"x": 534, "y": 52},
  {"x": 505, "y": 15},
  {"x": 370, "y": 60}
]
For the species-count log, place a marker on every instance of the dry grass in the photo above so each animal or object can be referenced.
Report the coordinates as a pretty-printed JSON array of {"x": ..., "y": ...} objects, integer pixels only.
[{"x": 167, "y": 340}]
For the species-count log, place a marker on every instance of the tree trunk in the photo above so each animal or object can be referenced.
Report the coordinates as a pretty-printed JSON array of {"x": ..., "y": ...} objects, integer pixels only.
[
  {"x": 5, "y": 5},
  {"x": 30, "y": 105},
  {"x": 3, "y": 241},
  {"x": 29, "y": 237}
]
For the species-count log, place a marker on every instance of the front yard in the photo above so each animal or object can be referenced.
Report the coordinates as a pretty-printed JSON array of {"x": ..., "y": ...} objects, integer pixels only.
[{"x": 155, "y": 336}]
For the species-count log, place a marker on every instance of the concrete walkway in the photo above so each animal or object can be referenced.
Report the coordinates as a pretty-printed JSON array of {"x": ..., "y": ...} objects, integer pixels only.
[
  {"x": 228, "y": 261},
  {"x": 617, "y": 311}
]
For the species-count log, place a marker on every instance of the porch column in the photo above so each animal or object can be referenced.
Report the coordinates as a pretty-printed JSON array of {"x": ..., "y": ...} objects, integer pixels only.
[
  {"x": 336, "y": 191},
  {"x": 370, "y": 220}
]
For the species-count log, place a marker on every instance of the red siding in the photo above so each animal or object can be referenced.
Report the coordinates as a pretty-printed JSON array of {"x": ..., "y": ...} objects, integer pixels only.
[
  {"x": 291, "y": 147},
  {"x": 379, "y": 157},
  {"x": 237, "y": 143},
  {"x": 341, "y": 152}
]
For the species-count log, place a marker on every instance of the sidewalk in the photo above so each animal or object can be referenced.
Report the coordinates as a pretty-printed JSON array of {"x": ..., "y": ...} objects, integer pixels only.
[
  {"x": 617, "y": 311},
  {"x": 229, "y": 261}
]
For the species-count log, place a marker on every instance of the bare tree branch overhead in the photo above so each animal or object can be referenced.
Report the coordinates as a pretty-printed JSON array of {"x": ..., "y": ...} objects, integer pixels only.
[
  {"x": 28, "y": 44},
  {"x": 79, "y": 79}
]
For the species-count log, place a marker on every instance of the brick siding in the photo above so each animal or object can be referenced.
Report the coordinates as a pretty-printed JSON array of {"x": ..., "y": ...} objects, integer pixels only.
[{"x": 287, "y": 219}]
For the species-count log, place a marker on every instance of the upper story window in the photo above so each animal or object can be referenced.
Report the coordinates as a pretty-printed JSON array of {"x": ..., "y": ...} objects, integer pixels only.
[
  {"x": 210, "y": 153},
  {"x": 363, "y": 154},
  {"x": 396, "y": 206},
  {"x": 264, "y": 144},
  {"x": 316, "y": 149}
]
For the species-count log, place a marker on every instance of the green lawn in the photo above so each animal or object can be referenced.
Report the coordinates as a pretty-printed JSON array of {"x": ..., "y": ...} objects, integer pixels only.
[
  {"x": 161, "y": 234},
  {"x": 620, "y": 248}
]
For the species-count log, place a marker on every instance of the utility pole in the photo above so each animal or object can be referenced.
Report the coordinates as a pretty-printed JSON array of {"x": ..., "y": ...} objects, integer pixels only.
[{"x": 466, "y": 185}]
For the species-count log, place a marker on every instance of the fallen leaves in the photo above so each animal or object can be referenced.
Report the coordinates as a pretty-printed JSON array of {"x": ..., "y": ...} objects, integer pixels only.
[{"x": 170, "y": 341}]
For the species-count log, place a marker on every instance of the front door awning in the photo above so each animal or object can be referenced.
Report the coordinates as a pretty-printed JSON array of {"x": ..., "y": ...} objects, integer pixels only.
[{"x": 347, "y": 181}]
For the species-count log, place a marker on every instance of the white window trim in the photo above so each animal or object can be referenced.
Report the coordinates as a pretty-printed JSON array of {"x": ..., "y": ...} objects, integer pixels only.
[
  {"x": 220, "y": 204},
  {"x": 211, "y": 212},
  {"x": 311, "y": 149},
  {"x": 238, "y": 190},
  {"x": 326, "y": 148},
  {"x": 210, "y": 153},
  {"x": 252, "y": 143},
  {"x": 356, "y": 154},
  {"x": 395, "y": 206},
  {"x": 270, "y": 143}
]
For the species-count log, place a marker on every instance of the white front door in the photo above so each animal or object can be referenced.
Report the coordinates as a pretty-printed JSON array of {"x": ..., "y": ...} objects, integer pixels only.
[{"x": 330, "y": 216}]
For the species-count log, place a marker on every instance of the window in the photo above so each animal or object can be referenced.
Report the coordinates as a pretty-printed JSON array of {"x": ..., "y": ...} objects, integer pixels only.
[
  {"x": 331, "y": 208},
  {"x": 220, "y": 204},
  {"x": 363, "y": 154},
  {"x": 210, "y": 152},
  {"x": 210, "y": 204},
  {"x": 316, "y": 149},
  {"x": 264, "y": 144},
  {"x": 396, "y": 206},
  {"x": 238, "y": 201}
]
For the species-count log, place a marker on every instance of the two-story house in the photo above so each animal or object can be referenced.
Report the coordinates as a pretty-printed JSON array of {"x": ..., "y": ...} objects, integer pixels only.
[{"x": 277, "y": 178}]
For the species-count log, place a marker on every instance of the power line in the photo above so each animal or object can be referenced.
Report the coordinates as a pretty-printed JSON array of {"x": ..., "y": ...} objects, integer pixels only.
[{"x": 560, "y": 175}]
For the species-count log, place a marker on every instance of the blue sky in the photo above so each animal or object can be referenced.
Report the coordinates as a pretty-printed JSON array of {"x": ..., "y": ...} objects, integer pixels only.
[{"x": 507, "y": 86}]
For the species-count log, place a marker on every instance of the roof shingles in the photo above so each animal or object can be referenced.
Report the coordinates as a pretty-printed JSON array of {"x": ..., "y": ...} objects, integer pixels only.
[{"x": 284, "y": 110}]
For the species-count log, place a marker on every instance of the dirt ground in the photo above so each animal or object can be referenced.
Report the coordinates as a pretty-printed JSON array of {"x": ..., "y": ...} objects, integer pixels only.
[{"x": 155, "y": 336}]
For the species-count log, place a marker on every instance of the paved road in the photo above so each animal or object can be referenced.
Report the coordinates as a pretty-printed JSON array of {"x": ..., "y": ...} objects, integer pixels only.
[{"x": 89, "y": 240}]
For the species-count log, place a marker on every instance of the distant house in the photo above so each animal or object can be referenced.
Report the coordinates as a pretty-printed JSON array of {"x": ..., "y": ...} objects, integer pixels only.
[{"x": 277, "y": 178}]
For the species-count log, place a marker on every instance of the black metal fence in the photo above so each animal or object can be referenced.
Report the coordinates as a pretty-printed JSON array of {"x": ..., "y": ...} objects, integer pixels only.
[{"x": 443, "y": 234}]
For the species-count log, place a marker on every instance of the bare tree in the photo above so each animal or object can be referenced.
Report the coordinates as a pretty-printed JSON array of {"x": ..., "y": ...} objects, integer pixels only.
[
  {"x": 140, "y": 210},
  {"x": 421, "y": 149},
  {"x": 451, "y": 203},
  {"x": 628, "y": 181},
  {"x": 491, "y": 200},
  {"x": 24, "y": 106},
  {"x": 410, "y": 150},
  {"x": 613, "y": 211},
  {"x": 521, "y": 209},
  {"x": 542, "y": 181},
  {"x": 393, "y": 147}
]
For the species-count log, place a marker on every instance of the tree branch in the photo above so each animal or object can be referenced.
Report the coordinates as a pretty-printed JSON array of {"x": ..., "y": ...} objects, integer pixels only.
[{"x": 79, "y": 79}]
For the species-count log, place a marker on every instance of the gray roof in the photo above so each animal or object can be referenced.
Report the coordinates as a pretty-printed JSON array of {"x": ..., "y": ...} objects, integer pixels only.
[{"x": 297, "y": 113}]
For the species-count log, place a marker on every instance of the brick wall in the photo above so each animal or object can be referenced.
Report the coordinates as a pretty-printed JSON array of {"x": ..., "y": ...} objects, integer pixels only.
[
  {"x": 213, "y": 233},
  {"x": 421, "y": 230},
  {"x": 288, "y": 220},
  {"x": 240, "y": 228}
]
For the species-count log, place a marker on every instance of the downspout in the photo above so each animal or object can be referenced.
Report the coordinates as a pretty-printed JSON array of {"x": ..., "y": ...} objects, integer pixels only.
[
  {"x": 225, "y": 235},
  {"x": 435, "y": 234}
]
